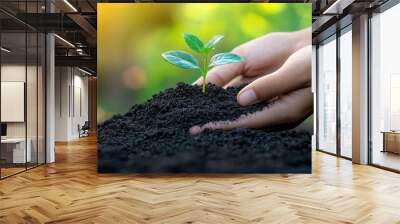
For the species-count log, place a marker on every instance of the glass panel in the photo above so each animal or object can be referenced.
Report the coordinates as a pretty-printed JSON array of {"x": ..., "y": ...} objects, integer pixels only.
[
  {"x": 346, "y": 94},
  {"x": 31, "y": 88},
  {"x": 13, "y": 90},
  {"x": 41, "y": 98},
  {"x": 31, "y": 98},
  {"x": 327, "y": 96},
  {"x": 385, "y": 89},
  {"x": 23, "y": 90}
]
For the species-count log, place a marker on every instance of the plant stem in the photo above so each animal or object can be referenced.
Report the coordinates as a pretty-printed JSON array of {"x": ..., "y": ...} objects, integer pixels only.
[
  {"x": 204, "y": 84},
  {"x": 205, "y": 71}
]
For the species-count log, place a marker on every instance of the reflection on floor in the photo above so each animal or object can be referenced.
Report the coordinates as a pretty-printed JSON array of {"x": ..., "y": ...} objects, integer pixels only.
[
  {"x": 387, "y": 159},
  {"x": 71, "y": 191},
  {"x": 10, "y": 169}
]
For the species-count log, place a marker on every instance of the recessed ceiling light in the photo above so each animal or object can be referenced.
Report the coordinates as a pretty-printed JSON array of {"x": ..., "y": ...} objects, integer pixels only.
[
  {"x": 5, "y": 50},
  {"x": 70, "y": 5},
  {"x": 64, "y": 40},
  {"x": 338, "y": 6},
  {"x": 84, "y": 71}
]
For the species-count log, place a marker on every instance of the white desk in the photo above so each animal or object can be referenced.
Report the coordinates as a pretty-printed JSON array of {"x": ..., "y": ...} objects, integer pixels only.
[{"x": 19, "y": 155}]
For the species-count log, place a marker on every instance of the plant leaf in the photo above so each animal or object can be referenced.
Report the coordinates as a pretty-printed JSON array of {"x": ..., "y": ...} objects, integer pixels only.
[
  {"x": 193, "y": 42},
  {"x": 214, "y": 41},
  {"x": 225, "y": 58},
  {"x": 181, "y": 59}
]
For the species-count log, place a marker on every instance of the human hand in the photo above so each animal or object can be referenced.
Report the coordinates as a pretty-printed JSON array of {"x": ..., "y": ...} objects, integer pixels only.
[
  {"x": 288, "y": 86},
  {"x": 263, "y": 56}
]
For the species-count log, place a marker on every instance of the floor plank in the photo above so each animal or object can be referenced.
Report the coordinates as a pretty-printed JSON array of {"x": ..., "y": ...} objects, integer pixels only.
[{"x": 71, "y": 191}]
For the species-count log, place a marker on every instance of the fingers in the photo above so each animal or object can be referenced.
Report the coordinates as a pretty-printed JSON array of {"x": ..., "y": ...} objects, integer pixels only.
[
  {"x": 262, "y": 55},
  {"x": 288, "y": 109},
  {"x": 295, "y": 73},
  {"x": 224, "y": 125},
  {"x": 241, "y": 80}
]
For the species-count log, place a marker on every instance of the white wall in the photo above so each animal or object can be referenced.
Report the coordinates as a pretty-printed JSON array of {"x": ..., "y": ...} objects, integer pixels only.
[
  {"x": 81, "y": 104},
  {"x": 33, "y": 126},
  {"x": 12, "y": 73},
  {"x": 62, "y": 82},
  {"x": 71, "y": 94}
]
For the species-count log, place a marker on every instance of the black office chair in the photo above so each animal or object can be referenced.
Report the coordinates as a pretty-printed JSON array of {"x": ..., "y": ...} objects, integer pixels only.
[{"x": 84, "y": 130}]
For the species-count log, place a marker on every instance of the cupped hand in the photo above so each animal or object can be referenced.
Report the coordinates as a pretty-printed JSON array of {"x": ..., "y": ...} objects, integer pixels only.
[
  {"x": 263, "y": 56},
  {"x": 288, "y": 86}
]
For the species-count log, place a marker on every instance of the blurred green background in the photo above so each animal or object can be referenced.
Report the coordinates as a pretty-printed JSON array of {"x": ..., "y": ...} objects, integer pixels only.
[{"x": 132, "y": 36}]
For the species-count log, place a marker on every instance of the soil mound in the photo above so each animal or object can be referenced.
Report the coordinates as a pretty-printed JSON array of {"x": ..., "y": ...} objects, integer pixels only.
[{"x": 154, "y": 137}]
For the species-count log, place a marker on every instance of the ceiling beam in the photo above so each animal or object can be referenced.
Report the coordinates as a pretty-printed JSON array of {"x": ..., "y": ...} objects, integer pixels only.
[
  {"x": 84, "y": 24},
  {"x": 49, "y": 22},
  {"x": 78, "y": 61}
]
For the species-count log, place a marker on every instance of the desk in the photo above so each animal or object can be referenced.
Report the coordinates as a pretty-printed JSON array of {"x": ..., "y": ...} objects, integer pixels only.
[
  {"x": 391, "y": 141},
  {"x": 17, "y": 150}
]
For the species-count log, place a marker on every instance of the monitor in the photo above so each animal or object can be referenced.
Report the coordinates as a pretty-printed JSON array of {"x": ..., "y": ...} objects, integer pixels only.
[{"x": 3, "y": 129}]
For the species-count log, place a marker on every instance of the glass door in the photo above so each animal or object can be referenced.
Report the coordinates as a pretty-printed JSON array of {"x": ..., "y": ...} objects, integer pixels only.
[{"x": 327, "y": 95}]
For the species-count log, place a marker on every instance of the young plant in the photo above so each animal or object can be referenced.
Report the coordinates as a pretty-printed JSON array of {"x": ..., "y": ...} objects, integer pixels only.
[{"x": 187, "y": 61}]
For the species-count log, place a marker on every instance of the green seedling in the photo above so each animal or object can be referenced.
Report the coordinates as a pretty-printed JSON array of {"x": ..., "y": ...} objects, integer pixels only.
[{"x": 185, "y": 60}]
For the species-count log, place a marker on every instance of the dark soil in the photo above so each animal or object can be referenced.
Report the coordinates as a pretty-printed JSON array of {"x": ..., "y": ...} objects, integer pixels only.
[{"x": 154, "y": 137}]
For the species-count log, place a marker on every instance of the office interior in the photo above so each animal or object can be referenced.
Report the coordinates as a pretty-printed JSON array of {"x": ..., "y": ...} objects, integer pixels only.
[
  {"x": 48, "y": 76},
  {"x": 357, "y": 82},
  {"x": 48, "y": 80}
]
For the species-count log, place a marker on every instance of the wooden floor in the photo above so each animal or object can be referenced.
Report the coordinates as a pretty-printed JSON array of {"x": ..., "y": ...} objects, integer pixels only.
[
  {"x": 5, "y": 172},
  {"x": 8, "y": 171},
  {"x": 70, "y": 191},
  {"x": 387, "y": 159}
]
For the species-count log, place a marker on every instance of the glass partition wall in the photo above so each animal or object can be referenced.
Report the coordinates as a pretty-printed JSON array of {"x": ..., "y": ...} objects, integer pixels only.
[
  {"x": 13, "y": 110},
  {"x": 334, "y": 94},
  {"x": 385, "y": 89},
  {"x": 335, "y": 126},
  {"x": 327, "y": 95},
  {"x": 22, "y": 98},
  {"x": 345, "y": 93}
]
